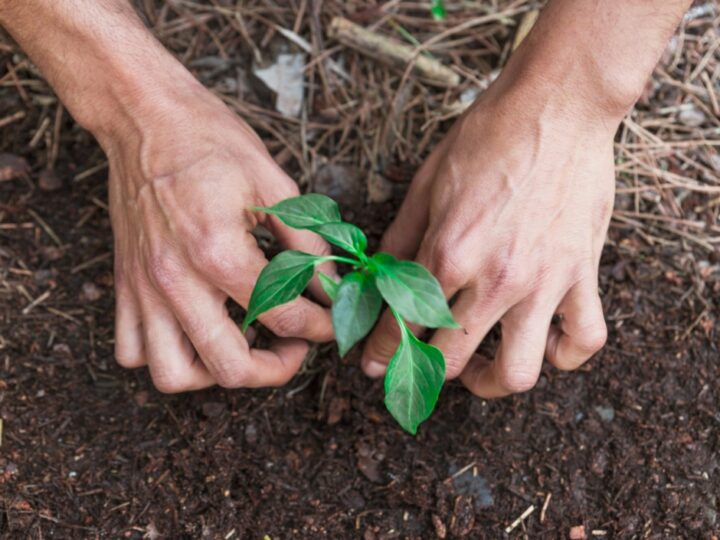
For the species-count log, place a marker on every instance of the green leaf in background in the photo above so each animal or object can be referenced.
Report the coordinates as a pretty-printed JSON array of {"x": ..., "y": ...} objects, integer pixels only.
[
  {"x": 355, "y": 309},
  {"x": 412, "y": 291},
  {"x": 305, "y": 211},
  {"x": 413, "y": 380},
  {"x": 344, "y": 235},
  {"x": 329, "y": 285},
  {"x": 282, "y": 280},
  {"x": 437, "y": 8}
]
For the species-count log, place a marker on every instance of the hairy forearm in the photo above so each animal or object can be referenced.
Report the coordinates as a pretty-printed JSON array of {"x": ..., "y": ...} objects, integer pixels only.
[
  {"x": 596, "y": 54},
  {"x": 101, "y": 60}
]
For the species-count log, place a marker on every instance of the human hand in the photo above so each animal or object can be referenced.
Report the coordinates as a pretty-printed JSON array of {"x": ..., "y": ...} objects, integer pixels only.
[
  {"x": 182, "y": 187},
  {"x": 510, "y": 212}
]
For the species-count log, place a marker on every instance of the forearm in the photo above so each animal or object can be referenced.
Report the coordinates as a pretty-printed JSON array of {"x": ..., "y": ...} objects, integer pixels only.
[
  {"x": 103, "y": 63},
  {"x": 596, "y": 53}
]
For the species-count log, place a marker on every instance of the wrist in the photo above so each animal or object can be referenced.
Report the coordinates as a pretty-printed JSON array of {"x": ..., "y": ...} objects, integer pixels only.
[
  {"x": 110, "y": 72},
  {"x": 571, "y": 84}
]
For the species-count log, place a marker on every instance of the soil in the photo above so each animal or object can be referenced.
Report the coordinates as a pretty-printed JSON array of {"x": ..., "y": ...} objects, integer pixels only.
[{"x": 626, "y": 447}]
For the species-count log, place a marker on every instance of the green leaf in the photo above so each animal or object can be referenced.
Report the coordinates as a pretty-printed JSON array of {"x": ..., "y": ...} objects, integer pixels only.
[
  {"x": 412, "y": 291},
  {"x": 413, "y": 381},
  {"x": 282, "y": 280},
  {"x": 344, "y": 235},
  {"x": 329, "y": 285},
  {"x": 305, "y": 211},
  {"x": 355, "y": 309},
  {"x": 437, "y": 8}
]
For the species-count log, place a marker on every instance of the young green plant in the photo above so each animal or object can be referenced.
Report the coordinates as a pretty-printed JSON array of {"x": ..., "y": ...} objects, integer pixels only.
[{"x": 416, "y": 371}]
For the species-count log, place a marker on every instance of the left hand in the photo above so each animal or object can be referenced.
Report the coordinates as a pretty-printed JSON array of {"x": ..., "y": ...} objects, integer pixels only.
[{"x": 510, "y": 213}]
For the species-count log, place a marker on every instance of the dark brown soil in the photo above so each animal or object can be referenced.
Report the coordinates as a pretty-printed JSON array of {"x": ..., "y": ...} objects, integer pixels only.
[{"x": 626, "y": 447}]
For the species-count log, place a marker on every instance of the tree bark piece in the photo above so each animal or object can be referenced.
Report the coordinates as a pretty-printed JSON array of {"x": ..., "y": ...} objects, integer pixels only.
[{"x": 392, "y": 52}]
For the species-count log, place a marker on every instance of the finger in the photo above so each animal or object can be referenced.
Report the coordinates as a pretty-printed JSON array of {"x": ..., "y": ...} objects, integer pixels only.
[
  {"x": 517, "y": 364},
  {"x": 380, "y": 346},
  {"x": 476, "y": 312},
  {"x": 582, "y": 330},
  {"x": 405, "y": 233},
  {"x": 233, "y": 262},
  {"x": 201, "y": 311},
  {"x": 171, "y": 358},
  {"x": 129, "y": 341}
]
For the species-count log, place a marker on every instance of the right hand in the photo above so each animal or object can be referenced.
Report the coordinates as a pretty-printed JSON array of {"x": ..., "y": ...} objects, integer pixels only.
[{"x": 182, "y": 187}]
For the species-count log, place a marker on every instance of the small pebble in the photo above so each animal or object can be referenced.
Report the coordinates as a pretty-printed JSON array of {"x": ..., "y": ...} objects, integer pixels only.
[
  {"x": 440, "y": 528},
  {"x": 212, "y": 409},
  {"x": 12, "y": 166},
  {"x": 577, "y": 532},
  {"x": 49, "y": 181},
  {"x": 90, "y": 291},
  {"x": 251, "y": 434},
  {"x": 691, "y": 117},
  {"x": 62, "y": 349},
  {"x": 141, "y": 398},
  {"x": 607, "y": 414}
]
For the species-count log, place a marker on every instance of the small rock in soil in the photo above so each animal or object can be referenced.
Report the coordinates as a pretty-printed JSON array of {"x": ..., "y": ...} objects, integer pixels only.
[
  {"x": 606, "y": 414},
  {"x": 141, "y": 398},
  {"x": 354, "y": 500},
  {"x": 440, "y": 528},
  {"x": 12, "y": 166},
  {"x": 49, "y": 181},
  {"x": 342, "y": 183},
  {"x": 473, "y": 485},
  {"x": 90, "y": 292},
  {"x": 336, "y": 409},
  {"x": 211, "y": 409},
  {"x": 44, "y": 277},
  {"x": 251, "y": 434},
  {"x": 577, "y": 532},
  {"x": 379, "y": 189},
  {"x": 370, "y": 469},
  {"x": 463, "y": 518},
  {"x": 52, "y": 253},
  {"x": 691, "y": 117},
  {"x": 599, "y": 463}
]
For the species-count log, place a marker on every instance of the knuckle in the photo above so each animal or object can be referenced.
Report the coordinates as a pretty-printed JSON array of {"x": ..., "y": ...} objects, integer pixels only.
[
  {"x": 449, "y": 268},
  {"x": 217, "y": 259},
  {"x": 593, "y": 337},
  {"x": 505, "y": 276},
  {"x": 232, "y": 375},
  {"x": 517, "y": 380},
  {"x": 164, "y": 273},
  {"x": 287, "y": 322}
]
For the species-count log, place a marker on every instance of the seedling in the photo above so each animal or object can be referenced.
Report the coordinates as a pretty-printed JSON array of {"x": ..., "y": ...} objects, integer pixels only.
[{"x": 416, "y": 371}]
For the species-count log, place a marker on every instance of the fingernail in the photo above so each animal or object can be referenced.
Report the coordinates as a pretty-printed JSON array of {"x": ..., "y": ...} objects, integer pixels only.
[{"x": 373, "y": 368}]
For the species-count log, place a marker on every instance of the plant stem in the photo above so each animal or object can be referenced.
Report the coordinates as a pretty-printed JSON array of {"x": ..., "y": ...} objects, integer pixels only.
[
  {"x": 337, "y": 258},
  {"x": 401, "y": 323}
]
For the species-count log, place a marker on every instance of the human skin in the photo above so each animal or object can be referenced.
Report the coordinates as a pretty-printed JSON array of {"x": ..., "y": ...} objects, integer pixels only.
[{"x": 510, "y": 211}]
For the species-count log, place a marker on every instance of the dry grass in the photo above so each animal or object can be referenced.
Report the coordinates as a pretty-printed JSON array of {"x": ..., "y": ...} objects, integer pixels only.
[{"x": 383, "y": 122}]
